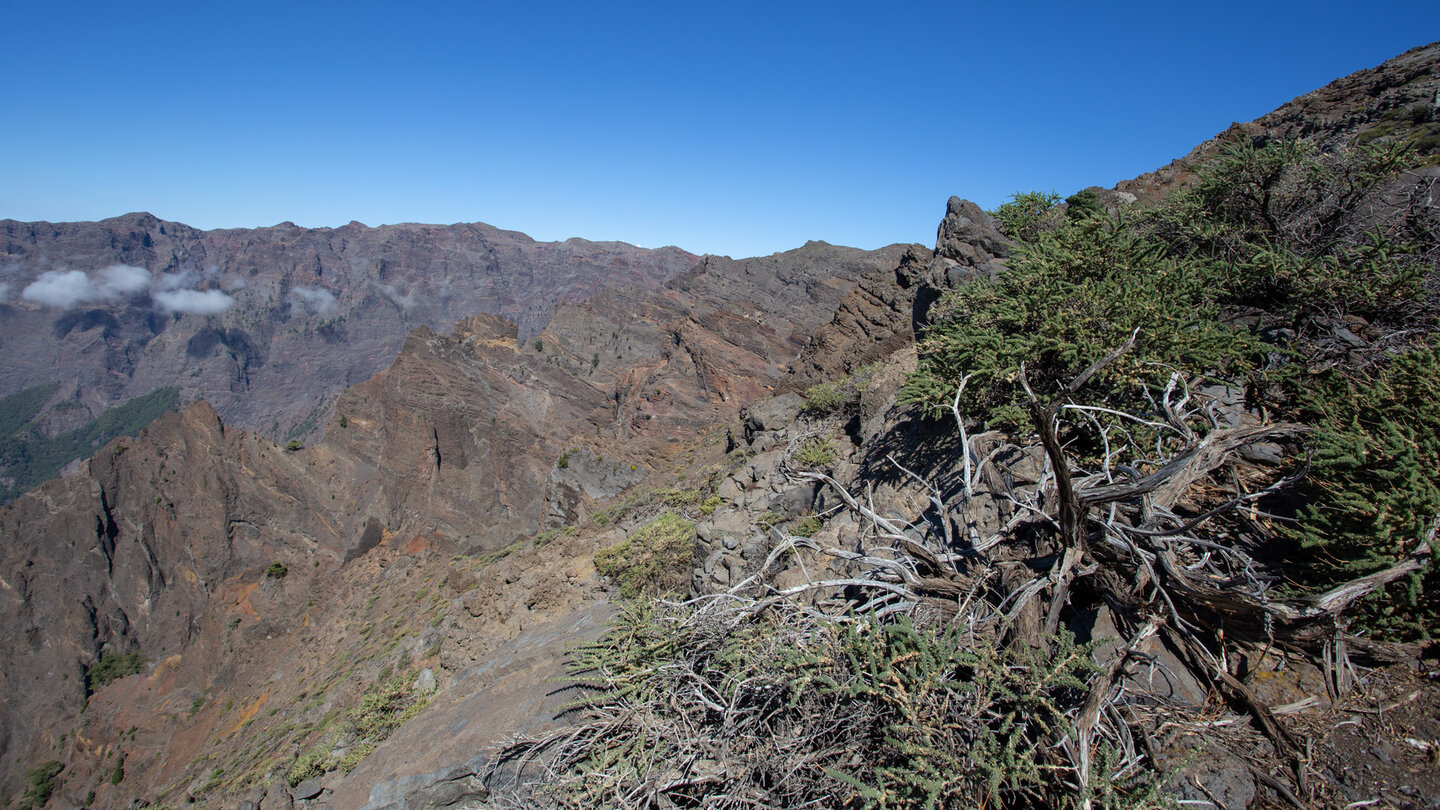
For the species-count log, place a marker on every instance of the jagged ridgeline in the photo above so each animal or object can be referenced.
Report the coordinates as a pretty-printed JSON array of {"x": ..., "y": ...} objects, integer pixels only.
[
  {"x": 28, "y": 456},
  {"x": 1236, "y": 395}
]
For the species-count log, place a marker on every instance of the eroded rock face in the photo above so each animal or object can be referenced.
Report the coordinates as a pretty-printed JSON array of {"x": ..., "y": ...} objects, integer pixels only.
[
  {"x": 889, "y": 307},
  {"x": 132, "y": 553},
  {"x": 269, "y": 324},
  {"x": 160, "y": 543}
]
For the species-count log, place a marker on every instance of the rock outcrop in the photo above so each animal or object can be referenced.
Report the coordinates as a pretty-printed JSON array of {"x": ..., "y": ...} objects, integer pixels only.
[{"x": 888, "y": 308}]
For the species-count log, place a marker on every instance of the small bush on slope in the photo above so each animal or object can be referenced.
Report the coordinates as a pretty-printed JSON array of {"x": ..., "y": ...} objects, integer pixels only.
[
  {"x": 783, "y": 709},
  {"x": 653, "y": 560}
]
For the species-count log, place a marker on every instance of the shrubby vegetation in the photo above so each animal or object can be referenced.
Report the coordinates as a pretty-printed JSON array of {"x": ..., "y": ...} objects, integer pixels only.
[
  {"x": 40, "y": 783},
  {"x": 1254, "y": 276},
  {"x": 30, "y": 458},
  {"x": 653, "y": 560},
  {"x": 385, "y": 707},
  {"x": 112, "y": 667},
  {"x": 776, "y": 709},
  {"x": 912, "y": 681}
]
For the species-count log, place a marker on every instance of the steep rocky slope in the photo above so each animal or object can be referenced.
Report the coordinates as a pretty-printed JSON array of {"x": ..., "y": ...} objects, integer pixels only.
[
  {"x": 1398, "y": 100},
  {"x": 267, "y": 324},
  {"x": 194, "y": 541}
]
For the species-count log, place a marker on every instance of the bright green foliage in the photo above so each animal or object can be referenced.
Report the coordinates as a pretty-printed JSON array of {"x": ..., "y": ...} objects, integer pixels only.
[
  {"x": 815, "y": 452},
  {"x": 655, "y": 559},
  {"x": 1283, "y": 221},
  {"x": 807, "y": 526},
  {"x": 113, "y": 666},
  {"x": 1072, "y": 296},
  {"x": 117, "y": 775},
  {"x": 18, "y": 409},
  {"x": 1027, "y": 214},
  {"x": 1277, "y": 234},
  {"x": 1082, "y": 205},
  {"x": 40, "y": 783},
  {"x": 1374, "y": 483},
  {"x": 276, "y": 570}
]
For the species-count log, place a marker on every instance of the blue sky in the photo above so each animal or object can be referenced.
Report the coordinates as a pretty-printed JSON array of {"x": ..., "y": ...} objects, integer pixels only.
[{"x": 735, "y": 128}]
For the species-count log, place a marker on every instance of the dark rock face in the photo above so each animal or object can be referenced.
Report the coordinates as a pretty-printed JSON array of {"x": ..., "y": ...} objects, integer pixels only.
[
  {"x": 889, "y": 307},
  {"x": 270, "y": 324}
]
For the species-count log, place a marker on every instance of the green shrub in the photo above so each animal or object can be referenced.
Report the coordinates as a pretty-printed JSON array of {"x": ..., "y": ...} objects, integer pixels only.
[
  {"x": 928, "y": 718},
  {"x": 655, "y": 559},
  {"x": 1025, "y": 215},
  {"x": 564, "y": 461},
  {"x": 1067, "y": 300},
  {"x": 40, "y": 784},
  {"x": 276, "y": 570},
  {"x": 807, "y": 526},
  {"x": 815, "y": 452},
  {"x": 822, "y": 399},
  {"x": 710, "y": 504},
  {"x": 113, "y": 666},
  {"x": 117, "y": 775},
  {"x": 1372, "y": 491},
  {"x": 1083, "y": 205},
  {"x": 293, "y": 445}
]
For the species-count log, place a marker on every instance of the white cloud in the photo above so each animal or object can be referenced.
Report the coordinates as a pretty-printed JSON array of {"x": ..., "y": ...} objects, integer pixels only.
[
  {"x": 71, "y": 288},
  {"x": 170, "y": 292},
  {"x": 175, "y": 281},
  {"x": 119, "y": 280},
  {"x": 60, "y": 289},
  {"x": 4, "y": 291},
  {"x": 317, "y": 300},
  {"x": 392, "y": 292},
  {"x": 193, "y": 302}
]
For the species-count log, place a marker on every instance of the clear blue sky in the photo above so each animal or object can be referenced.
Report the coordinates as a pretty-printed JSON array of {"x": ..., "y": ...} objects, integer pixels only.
[{"x": 734, "y": 127}]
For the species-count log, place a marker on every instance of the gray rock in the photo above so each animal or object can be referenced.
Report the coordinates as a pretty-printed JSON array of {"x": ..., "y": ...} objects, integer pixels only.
[
  {"x": 309, "y": 789},
  {"x": 1268, "y": 453},
  {"x": 457, "y": 787},
  {"x": 771, "y": 414},
  {"x": 794, "y": 501},
  {"x": 277, "y": 797},
  {"x": 425, "y": 683},
  {"x": 1224, "y": 777}
]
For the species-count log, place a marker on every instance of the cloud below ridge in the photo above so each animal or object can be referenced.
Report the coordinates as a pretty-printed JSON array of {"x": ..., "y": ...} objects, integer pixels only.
[
  {"x": 193, "y": 302},
  {"x": 170, "y": 292},
  {"x": 317, "y": 300}
]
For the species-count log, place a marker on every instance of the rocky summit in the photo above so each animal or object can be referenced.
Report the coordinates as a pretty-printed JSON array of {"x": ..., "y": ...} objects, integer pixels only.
[{"x": 808, "y": 556}]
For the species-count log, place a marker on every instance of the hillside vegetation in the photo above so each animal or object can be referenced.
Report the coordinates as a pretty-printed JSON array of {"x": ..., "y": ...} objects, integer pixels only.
[
  {"x": 27, "y": 457},
  {"x": 1231, "y": 403}
]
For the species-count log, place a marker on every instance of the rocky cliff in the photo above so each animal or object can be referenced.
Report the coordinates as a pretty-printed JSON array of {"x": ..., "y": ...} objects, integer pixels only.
[
  {"x": 267, "y": 324},
  {"x": 195, "y": 541}
]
